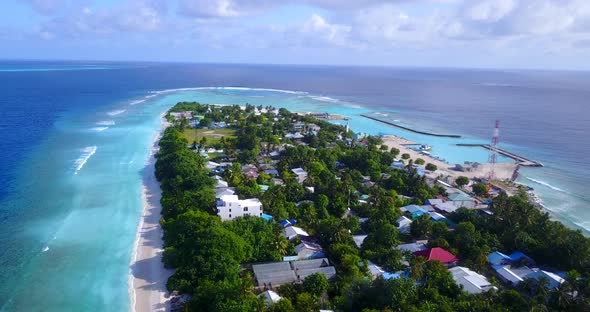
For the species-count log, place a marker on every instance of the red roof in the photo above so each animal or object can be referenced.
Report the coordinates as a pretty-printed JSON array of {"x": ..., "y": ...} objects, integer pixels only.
[{"x": 436, "y": 254}]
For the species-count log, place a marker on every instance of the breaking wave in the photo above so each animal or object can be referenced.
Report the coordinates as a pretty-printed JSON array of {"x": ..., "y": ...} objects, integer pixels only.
[
  {"x": 99, "y": 129},
  {"x": 116, "y": 112},
  {"x": 87, "y": 152},
  {"x": 227, "y": 88},
  {"x": 546, "y": 184},
  {"x": 106, "y": 123}
]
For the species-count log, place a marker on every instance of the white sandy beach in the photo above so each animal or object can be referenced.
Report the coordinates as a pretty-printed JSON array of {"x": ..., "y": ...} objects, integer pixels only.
[
  {"x": 502, "y": 170},
  {"x": 147, "y": 273}
]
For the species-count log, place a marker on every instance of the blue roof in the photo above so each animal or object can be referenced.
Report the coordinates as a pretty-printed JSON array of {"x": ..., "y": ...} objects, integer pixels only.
[
  {"x": 387, "y": 275},
  {"x": 517, "y": 255},
  {"x": 266, "y": 217},
  {"x": 285, "y": 223},
  {"x": 293, "y": 221},
  {"x": 497, "y": 257},
  {"x": 417, "y": 214},
  {"x": 272, "y": 172},
  {"x": 413, "y": 208}
]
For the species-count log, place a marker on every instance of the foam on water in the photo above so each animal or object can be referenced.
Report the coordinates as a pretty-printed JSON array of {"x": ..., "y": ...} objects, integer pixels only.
[
  {"x": 106, "y": 123},
  {"x": 137, "y": 102},
  {"x": 227, "y": 88},
  {"x": 324, "y": 99},
  {"x": 546, "y": 184},
  {"x": 116, "y": 112},
  {"x": 87, "y": 152},
  {"x": 99, "y": 129}
]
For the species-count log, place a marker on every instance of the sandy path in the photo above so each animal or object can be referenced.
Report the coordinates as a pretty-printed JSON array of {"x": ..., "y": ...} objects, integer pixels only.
[{"x": 147, "y": 273}]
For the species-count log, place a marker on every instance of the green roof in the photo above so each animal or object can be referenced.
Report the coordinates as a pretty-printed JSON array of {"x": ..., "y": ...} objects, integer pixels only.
[
  {"x": 263, "y": 187},
  {"x": 459, "y": 196}
]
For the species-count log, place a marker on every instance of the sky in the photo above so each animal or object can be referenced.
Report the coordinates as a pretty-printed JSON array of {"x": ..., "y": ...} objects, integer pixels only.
[{"x": 536, "y": 34}]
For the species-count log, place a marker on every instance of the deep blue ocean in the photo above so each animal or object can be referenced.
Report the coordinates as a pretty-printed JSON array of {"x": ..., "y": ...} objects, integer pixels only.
[{"x": 75, "y": 136}]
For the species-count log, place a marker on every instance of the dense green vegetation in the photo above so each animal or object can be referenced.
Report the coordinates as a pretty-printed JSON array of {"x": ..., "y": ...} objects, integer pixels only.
[{"x": 211, "y": 257}]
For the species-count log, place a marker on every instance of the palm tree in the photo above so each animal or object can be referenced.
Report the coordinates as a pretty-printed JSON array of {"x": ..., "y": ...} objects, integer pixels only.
[{"x": 281, "y": 243}]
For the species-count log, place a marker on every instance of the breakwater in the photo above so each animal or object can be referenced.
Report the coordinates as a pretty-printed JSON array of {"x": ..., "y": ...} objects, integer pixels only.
[
  {"x": 410, "y": 129},
  {"x": 523, "y": 161}
]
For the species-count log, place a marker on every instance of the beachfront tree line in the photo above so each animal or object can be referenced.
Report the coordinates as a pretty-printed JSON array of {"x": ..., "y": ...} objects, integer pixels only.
[{"x": 207, "y": 253}]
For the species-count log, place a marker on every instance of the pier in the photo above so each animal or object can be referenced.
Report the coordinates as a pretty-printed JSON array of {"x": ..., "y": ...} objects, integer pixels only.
[
  {"x": 521, "y": 160},
  {"x": 410, "y": 129}
]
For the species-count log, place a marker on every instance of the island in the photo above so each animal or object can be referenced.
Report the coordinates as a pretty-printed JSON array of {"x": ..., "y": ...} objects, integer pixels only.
[{"x": 263, "y": 209}]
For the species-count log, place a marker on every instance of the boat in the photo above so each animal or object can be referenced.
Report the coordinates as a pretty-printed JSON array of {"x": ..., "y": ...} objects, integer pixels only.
[{"x": 425, "y": 147}]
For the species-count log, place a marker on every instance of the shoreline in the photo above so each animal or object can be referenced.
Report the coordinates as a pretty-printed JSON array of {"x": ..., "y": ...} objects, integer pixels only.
[
  {"x": 503, "y": 171},
  {"x": 147, "y": 275}
]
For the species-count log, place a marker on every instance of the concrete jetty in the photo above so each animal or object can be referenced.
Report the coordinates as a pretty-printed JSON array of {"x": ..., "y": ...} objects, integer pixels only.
[
  {"x": 521, "y": 160},
  {"x": 410, "y": 129}
]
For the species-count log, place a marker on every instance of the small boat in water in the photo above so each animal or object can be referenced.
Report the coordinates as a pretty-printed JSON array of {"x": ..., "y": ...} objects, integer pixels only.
[{"x": 425, "y": 147}]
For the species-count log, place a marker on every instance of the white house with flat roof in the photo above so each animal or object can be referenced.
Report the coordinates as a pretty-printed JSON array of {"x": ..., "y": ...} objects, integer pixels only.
[
  {"x": 230, "y": 207},
  {"x": 301, "y": 174},
  {"x": 472, "y": 282}
]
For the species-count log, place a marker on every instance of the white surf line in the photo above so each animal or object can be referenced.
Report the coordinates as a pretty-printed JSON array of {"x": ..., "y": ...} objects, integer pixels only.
[{"x": 87, "y": 152}]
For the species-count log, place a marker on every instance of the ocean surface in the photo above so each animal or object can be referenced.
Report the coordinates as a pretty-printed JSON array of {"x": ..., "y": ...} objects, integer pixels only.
[{"x": 75, "y": 136}]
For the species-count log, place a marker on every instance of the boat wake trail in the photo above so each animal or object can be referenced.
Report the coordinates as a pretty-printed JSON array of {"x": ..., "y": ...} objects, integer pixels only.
[{"x": 87, "y": 152}]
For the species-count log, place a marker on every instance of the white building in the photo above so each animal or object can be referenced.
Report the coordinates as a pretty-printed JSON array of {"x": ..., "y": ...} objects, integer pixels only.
[
  {"x": 472, "y": 282},
  {"x": 291, "y": 232},
  {"x": 230, "y": 207},
  {"x": 301, "y": 174}
]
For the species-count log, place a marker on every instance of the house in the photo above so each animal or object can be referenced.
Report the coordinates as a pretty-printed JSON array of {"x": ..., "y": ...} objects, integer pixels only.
[
  {"x": 277, "y": 181},
  {"x": 279, "y": 273},
  {"x": 438, "y": 254},
  {"x": 272, "y": 172},
  {"x": 221, "y": 184},
  {"x": 472, "y": 282},
  {"x": 413, "y": 247},
  {"x": 305, "y": 268},
  {"x": 375, "y": 270},
  {"x": 292, "y": 232},
  {"x": 301, "y": 174},
  {"x": 270, "y": 297},
  {"x": 295, "y": 136},
  {"x": 224, "y": 191},
  {"x": 180, "y": 115},
  {"x": 230, "y": 207},
  {"x": 554, "y": 279},
  {"x": 414, "y": 210},
  {"x": 359, "y": 239},
  {"x": 398, "y": 165},
  {"x": 273, "y": 274},
  {"x": 298, "y": 126},
  {"x": 274, "y": 154},
  {"x": 511, "y": 276},
  {"x": 211, "y": 165},
  {"x": 498, "y": 258},
  {"x": 447, "y": 207},
  {"x": 404, "y": 225},
  {"x": 434, "y": 201},
  {"x": 309, "y": 250},
  {"x": 263, "y": 187},
  {"x": 266, "y": 217},
  {"x": 461, "y": 199},
  {"x": 313, "y": 129},
  {"x": 435, "y": 216}
]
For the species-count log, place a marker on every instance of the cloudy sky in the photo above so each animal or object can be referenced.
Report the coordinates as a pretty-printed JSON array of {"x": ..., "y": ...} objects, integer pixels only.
[{"x": 447, "y": 33}]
